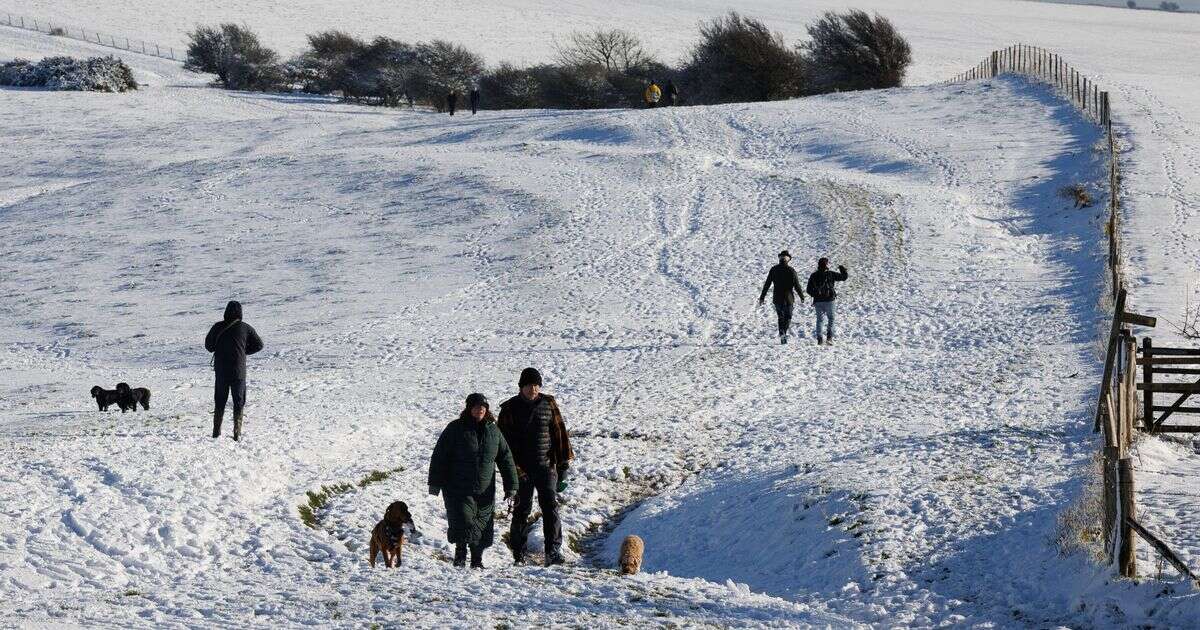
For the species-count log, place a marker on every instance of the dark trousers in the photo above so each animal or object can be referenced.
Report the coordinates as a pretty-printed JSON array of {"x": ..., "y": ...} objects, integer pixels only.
[
  {"x": 784, "y": 311},
  {"x": 225, "y": 386},
  {"x": 546, "y": 484},
  {"x": 474, "y": 106}
]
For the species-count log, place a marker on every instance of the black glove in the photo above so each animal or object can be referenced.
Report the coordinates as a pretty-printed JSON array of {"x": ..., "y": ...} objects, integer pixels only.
[{"x": 842, "y": 268}]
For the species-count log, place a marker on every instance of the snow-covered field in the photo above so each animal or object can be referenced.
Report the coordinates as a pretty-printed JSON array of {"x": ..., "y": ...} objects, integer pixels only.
[
  {"x": 1147, "y": 59},
  {"x": 396, "y": 261}
]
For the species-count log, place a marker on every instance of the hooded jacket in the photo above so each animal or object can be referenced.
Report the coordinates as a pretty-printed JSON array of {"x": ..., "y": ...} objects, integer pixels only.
[{"x": 231, "y": 340}]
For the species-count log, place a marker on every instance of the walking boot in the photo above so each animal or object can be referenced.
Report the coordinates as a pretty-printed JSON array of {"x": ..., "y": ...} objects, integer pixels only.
[
  {"x": 460, "y": 555},
  {"x": 237, "y": 426},
  {"x": 554, "y": 557},
  {"x": 218, "y": 417},
  {"x": 476, "y": 557}
]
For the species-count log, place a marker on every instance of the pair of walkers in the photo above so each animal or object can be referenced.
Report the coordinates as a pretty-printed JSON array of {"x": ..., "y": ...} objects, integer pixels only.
[
  {"x": 820, "y": 287},
  {"x": 529, "y": 444}
]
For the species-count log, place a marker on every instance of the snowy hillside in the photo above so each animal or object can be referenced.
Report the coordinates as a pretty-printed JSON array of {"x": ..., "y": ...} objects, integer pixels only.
[
  {"x": 395, "y": 261},
  {"x": 1145, "y": 58}
]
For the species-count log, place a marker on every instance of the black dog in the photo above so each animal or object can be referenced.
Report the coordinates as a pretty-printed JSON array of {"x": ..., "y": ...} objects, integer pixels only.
[
  {"x": 106, "y": 397},
  {"x": 129, "y": 398}
]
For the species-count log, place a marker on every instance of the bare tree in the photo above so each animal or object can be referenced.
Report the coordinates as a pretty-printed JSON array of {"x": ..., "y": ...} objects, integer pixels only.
[{"x": 614, "y": 49}]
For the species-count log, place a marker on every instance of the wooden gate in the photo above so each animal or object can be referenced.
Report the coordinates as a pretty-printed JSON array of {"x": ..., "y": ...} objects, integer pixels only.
[{"x": 1162, "y": 369}]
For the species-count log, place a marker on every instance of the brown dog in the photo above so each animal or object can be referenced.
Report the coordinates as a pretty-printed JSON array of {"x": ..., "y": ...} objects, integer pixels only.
[
  {"x": 631, "y": 555},
  {"x": 388, "y": 535}
]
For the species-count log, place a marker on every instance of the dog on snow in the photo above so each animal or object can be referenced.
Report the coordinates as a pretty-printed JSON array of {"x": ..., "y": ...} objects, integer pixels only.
[
  {"x": 631, "y": 555},
  {"x": 130, "y": 397},
  {"x": 106, "y": 397},
  {"x": 388, "y": 535}
]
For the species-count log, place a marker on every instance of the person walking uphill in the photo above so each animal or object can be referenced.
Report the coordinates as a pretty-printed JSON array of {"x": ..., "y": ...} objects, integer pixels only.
[
  {"x": 820, "y": 287},
  {"x": 463, "y": 469},
  {"x": 534, "y": 428},
  {"x": 451, "y": 101},
  {"x": 231, "y": 340},
  {"x": 652, "y": 95},
  {"x": 786, "y": 282}
]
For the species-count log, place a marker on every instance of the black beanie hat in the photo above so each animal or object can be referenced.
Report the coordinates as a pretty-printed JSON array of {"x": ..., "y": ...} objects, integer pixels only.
[
  {"x": 476, "y": 399},
  {"x": 530, "y": 376},
  {"x": 784, "y": 253}
]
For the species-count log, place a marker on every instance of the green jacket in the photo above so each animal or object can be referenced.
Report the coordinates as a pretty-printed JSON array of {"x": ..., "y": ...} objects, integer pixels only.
[{"x": 466, "y": 456}]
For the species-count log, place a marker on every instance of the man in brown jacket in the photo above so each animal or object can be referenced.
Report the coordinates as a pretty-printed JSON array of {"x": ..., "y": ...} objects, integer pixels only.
[{"x": 534, "y": 429}]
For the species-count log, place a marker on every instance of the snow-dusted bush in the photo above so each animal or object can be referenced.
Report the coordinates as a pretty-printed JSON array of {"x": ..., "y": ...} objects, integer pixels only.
[
  {"x": 442, "y": 67},
  {"x": 98, "y": 74},
  {"x": 739, "y": 59},
  {"x": 235, "y": 54},
  {"x": 854, "y": 51},
  {"x": 510, "y": 87}
]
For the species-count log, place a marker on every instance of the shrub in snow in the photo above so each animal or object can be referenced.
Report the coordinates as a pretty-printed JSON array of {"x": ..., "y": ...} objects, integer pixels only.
[
  {"x": 510, "y": 87},
  {"x": 57, "y": 31},
  {"x": 98, "y": 74},
  {"x": 442, "y": 67},
  {"x": 739, "y": 59},
  {"x": 324, "y": 67},
  {"x": 236, "y": 56},
  {"x": 384, "y": 71},
  {"x": 1077, "y": 194},
  {"x": 1169, "y": 6},
  {"x": 854, "y": 51}
]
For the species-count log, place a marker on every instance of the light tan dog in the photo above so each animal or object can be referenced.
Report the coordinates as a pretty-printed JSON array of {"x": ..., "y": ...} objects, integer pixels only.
[
  {"x": 388, "y": 536},
  {"x": 631, "y": 555}
]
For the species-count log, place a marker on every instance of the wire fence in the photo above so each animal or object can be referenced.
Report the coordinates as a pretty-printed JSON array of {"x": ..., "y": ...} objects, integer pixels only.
[
  {"x": 1117, "y": 409},
  {"x": 60, "y": 29}
]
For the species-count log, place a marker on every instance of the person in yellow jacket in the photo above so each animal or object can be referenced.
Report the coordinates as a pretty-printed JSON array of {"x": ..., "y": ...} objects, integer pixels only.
[{"x": 652, "y": 95}]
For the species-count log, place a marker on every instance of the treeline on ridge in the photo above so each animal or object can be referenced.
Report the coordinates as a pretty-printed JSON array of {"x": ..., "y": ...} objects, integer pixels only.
[{"x": 736, "y": 59}]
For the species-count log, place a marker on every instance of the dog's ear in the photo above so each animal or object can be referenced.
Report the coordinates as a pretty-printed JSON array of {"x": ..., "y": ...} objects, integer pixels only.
[{"x": 96, "y": 391}]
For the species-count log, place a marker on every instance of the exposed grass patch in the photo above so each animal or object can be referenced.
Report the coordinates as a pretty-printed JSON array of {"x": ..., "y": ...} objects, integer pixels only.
[{"x": 317, "y": 500}]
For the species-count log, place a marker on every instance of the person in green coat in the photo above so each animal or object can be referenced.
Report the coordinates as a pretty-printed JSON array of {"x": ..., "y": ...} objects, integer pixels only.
[{"x": 463, "y": 470}]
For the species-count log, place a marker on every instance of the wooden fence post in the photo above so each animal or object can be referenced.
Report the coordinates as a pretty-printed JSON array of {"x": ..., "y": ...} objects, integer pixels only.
[
  {"x": 1130, "y": 393},
  {"x": 1111, "y": 529},
  {"x": 1127, "y": 557},
  {"x": 1110, "y": 355},
  {"x": 1148, "y": 380},
  {"x": 995, "y": 63}
]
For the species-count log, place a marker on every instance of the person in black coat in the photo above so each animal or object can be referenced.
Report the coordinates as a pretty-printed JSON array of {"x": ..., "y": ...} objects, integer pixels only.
[
  {"x": 451, "y": 101},
  {"x": 463, "y": 469},
  {"x": 474, "y": 100},
  {"x": 786, "y": 282},
  {"x": 231, "y": 340},
  {"x": 672, "y": 94}
]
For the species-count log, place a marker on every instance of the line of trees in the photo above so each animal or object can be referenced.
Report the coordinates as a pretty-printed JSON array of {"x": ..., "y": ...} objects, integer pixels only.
[{"x": 737, "y": 59}]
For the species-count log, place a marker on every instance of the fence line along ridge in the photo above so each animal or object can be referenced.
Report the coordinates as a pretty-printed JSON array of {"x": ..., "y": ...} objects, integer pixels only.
[
  {"x": 1117, "y": 410},
  {"x": 59, "y": 29}
]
